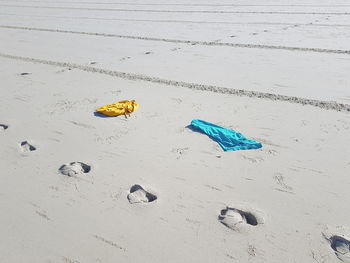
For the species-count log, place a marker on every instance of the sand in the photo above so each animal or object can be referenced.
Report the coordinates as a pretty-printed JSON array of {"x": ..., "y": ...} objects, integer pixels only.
[{"x": 79, "y": 187}]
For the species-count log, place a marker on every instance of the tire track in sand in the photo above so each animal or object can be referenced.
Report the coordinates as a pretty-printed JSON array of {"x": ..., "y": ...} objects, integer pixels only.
[
  {"x": 329, "y": 105},
  {"x": 191, "y": 42},
  {"x": 182, "y": 4},
  {"x": 180, "y": 21},
  {"x": 179, "y": 11}
]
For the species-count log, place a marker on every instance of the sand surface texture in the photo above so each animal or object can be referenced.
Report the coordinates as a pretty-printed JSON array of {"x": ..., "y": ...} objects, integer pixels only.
[{"x": 77, "y": 187}]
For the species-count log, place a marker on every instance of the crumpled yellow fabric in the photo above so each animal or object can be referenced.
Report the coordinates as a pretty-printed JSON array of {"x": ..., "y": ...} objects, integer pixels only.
[{"x": 124, "y": 107}]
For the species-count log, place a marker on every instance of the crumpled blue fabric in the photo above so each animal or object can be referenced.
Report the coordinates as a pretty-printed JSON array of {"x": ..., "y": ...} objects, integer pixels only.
[{"x": 228, "y": 139}]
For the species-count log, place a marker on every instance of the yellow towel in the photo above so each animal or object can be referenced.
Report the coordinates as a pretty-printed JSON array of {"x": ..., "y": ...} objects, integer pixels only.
[{"x": 124, "y": 107}]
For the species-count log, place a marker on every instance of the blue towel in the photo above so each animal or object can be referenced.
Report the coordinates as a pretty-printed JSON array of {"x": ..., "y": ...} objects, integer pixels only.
[{"x": 229, "y": 140}]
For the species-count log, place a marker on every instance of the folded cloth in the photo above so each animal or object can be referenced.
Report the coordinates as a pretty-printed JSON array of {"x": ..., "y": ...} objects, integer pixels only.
[
  {"x": 229, "y": 140},
  {"x": 119, "y": 108}
]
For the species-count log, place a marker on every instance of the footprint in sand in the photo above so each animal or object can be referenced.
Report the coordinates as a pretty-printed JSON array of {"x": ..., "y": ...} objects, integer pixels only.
[
  {"x": 74, "y": 168},
  {"x": 125, "y": 58},
  {"x": 139, "y": 195},
  {"x": 235, "y": 218},
  {"x": 341, "y": 246},
  {"x": 3, "y": 127},
  {"x": 27, "y": 147},
  {"x": 279, "y": 178},
  {"x": 180, "y": 151}
]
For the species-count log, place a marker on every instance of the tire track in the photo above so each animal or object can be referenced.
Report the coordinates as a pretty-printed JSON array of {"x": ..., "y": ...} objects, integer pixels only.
[
  {"x": 181, "y": 11},
  {"x": 329, "y": 105},
  {"x": 182, "y": 21},
  {"x": 179, "y": 4},
  {"x": 179, "y": 41}
]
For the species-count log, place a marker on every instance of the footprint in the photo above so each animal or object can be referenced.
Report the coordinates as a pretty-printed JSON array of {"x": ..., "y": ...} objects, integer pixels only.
[
  {"x": 177, "y": 100},
  {"x": 63, "y": 70},
  {"x": 139, "y": 195},
  {"x": 253, "y": 159},
  {"x": 341, "y": 246},
  {"x": 179, "y": 151},
  {"x": 235, "y": 218},
  {"x": 3, "y": 127},
  {"x": 26, "y": 147},
  {"x": 279, "y": 178},
  {"x": 125, "y": 58},
  {"x": 271, "y": 152},
  {"x": 74, "y": 168}
]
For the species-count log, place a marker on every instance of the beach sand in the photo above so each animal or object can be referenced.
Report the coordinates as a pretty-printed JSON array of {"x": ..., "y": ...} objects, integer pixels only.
[{"x": 147, "y": 188}]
